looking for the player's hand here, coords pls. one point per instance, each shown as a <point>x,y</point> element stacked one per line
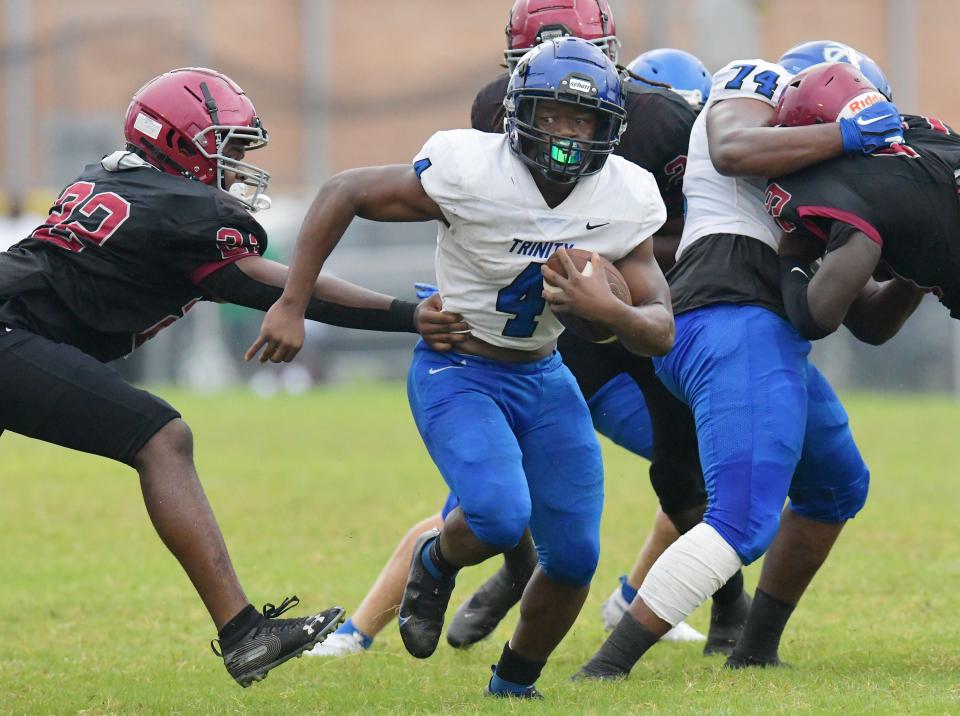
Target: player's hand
<point>424,290</point>
<point>876,127</point>
<point>589,297</point>
<point>440,329</point>
<point>281,335</point>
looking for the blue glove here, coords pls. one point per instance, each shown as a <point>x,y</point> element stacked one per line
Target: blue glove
<point>425,290</point>
<point>876,127</point>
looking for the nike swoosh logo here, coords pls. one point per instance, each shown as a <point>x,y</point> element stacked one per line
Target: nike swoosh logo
<point>799,271</point>
<point>867,122</point>
<point>591,227</point>
<point>434,371</point>
<point>404,620</point>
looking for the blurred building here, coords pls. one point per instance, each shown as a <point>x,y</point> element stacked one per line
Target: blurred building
<point>342,83</point>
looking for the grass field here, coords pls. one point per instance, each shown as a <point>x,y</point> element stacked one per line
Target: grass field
<point>312,493</point>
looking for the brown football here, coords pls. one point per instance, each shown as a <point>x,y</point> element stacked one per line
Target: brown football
<point>594,332</point>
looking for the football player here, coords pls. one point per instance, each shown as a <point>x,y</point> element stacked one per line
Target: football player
<point>609,376</point>
<point>896,210</point>
<point>769,425</point>
<point>656,138</point>
<point>129,246</point>
<point>528,455</point>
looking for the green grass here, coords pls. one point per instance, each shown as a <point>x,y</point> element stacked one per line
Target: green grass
<point>312,494</point>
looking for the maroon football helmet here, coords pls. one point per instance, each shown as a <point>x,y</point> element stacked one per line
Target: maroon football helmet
<point>535,21</point>
<point>825,93</point>
<point>182,121</point>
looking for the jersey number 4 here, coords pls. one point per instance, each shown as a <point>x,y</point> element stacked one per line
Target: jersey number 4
<point>522,298</point>
<point>80,214</point>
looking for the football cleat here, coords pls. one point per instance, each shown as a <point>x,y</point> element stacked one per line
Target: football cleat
<point>683,632</point>
<point>340,645</point>
<point>476,618</point>
<point>613,609</point>
<point>530,692</point>
<point>424,603</point>
<point>742,661</point>
<point>250,656</point>
<point>726,626</point>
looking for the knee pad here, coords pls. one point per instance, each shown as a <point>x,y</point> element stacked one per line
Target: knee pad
<point>500,526</point>
<point>571,562</point>
<point>832,503</point>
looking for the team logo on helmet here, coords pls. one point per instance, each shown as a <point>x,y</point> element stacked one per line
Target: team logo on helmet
<point>842,53</point>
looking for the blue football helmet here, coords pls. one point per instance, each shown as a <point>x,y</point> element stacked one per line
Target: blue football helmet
<point>683,72</point>
<point>572,71</point>
<point>807,54</point>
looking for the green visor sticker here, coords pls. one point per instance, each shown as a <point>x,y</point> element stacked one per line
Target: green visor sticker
<point>565,153</point>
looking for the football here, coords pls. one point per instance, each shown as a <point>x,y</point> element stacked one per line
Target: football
<point>593,332</point>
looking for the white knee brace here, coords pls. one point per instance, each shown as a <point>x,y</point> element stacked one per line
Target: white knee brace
<point>689,571</point>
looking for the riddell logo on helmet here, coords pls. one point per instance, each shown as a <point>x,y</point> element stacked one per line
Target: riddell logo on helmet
<point>860,103</point>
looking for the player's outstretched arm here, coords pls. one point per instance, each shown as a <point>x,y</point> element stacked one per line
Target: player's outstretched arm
<point>646,327</point>
<point>816,307</point>
<point>742,143</point>
<point>387,193</point>
<point>257,283</point>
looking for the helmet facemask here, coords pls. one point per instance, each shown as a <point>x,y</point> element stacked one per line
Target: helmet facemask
<point>609,44</point>
<point>250,183</point>
<point>562,159</point>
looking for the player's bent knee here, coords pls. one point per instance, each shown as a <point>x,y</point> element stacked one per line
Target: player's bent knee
<point>501,527</point>
<point>173,440</point>
<point>572,563</point>
<point>833,503</point>
<point>749,541</point>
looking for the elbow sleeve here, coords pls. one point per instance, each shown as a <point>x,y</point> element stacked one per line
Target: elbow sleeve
<point>794,282</point>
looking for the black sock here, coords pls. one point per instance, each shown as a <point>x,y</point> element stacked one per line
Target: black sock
<point>764,628</point>
<point>437,559</point>
<point>623,648</point>
<point>243,621</point>
<point>518,669</point>
<point>729,592</point>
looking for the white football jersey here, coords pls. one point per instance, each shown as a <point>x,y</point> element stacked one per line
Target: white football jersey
<point>499,230</point>
<point>718,204</point>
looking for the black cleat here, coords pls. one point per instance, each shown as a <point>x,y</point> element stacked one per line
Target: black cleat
<point>424,604</point>
<point>528,693</point>
<point>593,671</point>
<point>477,617</point>
<point>742,661</point>
<point>726,625</point>
<point>272,641</point>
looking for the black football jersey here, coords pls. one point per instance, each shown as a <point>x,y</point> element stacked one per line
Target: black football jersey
<point>656,137</point>
<point>121,256</point>
<point>904,198</point>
